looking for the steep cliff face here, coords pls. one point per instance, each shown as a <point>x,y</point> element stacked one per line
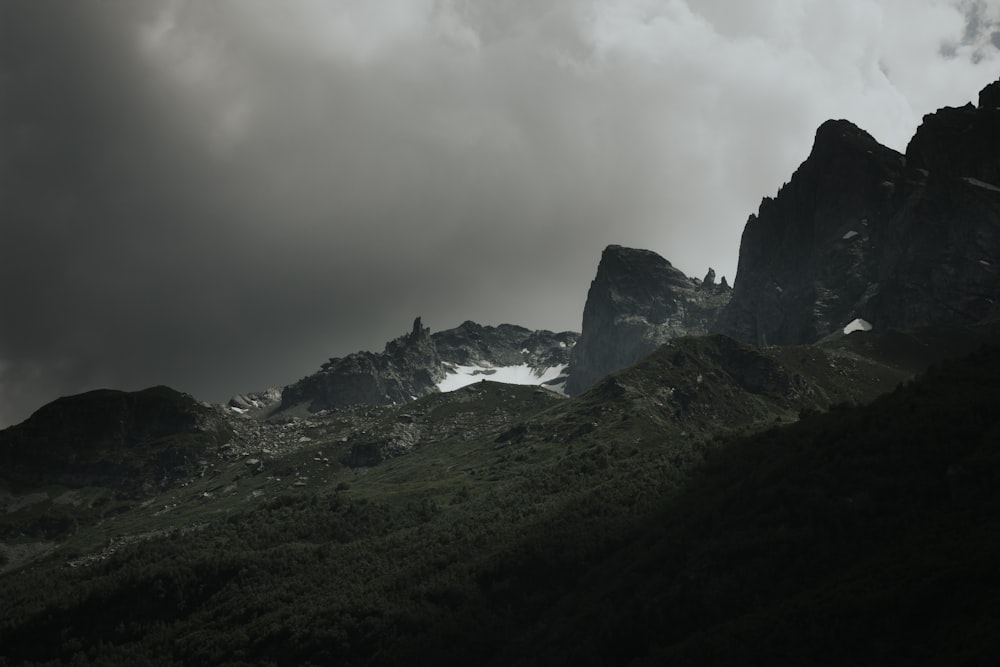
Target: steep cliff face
<point>940,262</point>
<point>409,367</point>
<point>809,256</point>
<point>638,301</point>
<point>861,231</point>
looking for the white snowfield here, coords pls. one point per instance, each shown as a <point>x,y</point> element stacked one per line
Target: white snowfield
<point>461,376</point>
<point>857,325</point>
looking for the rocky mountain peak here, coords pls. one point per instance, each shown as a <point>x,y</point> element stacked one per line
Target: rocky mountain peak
<point>634,273</point>
<point>862,232</point>
<point>408,367</point>
<point>806,258</point>
<point>414,348</point>
<point>989,97</point>
<point>941,254</point>
<point>419,331</point>
<point>840,165</point>
<point>836,135</point>
<point>637,301</point>
<point>415,363</point>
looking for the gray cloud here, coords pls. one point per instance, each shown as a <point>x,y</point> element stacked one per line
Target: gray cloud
<point>218,196</point>
<point>981,35</point>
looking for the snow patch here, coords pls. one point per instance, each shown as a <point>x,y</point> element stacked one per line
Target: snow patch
<point>849,235</point>
<point>980,184</point>
<point>559,388</point>
<point>461,376</point>
<point>857,325</point>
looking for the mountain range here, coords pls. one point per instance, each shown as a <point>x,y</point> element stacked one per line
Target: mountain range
<point>862,232</point>
<point>800,468</point>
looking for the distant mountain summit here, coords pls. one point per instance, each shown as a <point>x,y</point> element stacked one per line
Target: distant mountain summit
<point>420,363</point>
<point>408,367</point>
<point>810,255</point>
<point>860,237</point>
<point>637,302</point>
<point>862,233</point>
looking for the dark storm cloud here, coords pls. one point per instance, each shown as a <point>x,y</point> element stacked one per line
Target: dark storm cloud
<point>218,196</point>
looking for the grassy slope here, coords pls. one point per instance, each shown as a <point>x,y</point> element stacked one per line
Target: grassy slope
<point>865,536</point>
<point>561,534</point>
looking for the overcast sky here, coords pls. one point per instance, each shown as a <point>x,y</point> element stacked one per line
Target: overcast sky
<point>220,195</point>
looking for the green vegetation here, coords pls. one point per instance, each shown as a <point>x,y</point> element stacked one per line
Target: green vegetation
<point>616,528</point>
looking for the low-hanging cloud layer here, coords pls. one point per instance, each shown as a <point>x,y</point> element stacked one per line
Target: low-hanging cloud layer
<point>218,196</point>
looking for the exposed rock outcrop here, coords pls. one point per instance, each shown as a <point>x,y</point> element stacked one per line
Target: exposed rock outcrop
<point>861,231</point>
<point>409,367</point>
<point>638,301</point>
<point>940,262</point>
<point>413,365</point>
